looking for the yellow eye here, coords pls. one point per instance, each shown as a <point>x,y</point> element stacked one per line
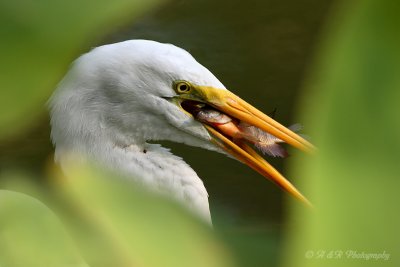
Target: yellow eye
<point>183,87</point>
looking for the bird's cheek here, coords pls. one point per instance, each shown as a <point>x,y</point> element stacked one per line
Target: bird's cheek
<point>186,123</point>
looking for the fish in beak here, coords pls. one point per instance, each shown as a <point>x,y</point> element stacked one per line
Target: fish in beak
<point>235,126</point>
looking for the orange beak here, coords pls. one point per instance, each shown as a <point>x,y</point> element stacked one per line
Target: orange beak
<point>233,106</point>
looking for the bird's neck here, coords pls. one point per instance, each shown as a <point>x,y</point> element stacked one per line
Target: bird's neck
<point>154,167</point>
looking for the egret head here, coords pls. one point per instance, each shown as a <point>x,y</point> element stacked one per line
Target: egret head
<point>137,91</point>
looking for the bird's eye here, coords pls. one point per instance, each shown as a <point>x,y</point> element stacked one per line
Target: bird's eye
<point>182,87</point>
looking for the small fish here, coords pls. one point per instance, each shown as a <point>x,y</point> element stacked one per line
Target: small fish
<point>219,120</point>
<point>263,141</point>
<point>212,116</point>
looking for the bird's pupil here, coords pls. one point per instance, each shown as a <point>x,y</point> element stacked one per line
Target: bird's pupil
<point>183,87</point>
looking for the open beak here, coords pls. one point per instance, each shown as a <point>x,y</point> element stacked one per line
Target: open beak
<point>233,106</point>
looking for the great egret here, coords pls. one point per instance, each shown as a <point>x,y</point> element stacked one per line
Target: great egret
<point>119,96</point>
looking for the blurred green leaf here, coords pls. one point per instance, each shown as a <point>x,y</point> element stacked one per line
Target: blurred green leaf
<point>353,106</point>
<point>140,229</point>
<point>102,220</point>
<point>31,235</point>
<point>39,39</point>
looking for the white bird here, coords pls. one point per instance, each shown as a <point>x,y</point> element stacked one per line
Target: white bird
<point>118,97</point>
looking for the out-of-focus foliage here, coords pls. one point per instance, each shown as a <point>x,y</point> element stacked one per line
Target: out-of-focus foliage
<point>106,222</point>
<point>353,104</point>
<point>38,41</point>
<point>31,235</point>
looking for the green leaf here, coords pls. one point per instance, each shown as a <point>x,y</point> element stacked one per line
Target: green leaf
<point>119,224</point>
<point>39,39</point>
<point>353,107</point>
<point>31,235</point>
